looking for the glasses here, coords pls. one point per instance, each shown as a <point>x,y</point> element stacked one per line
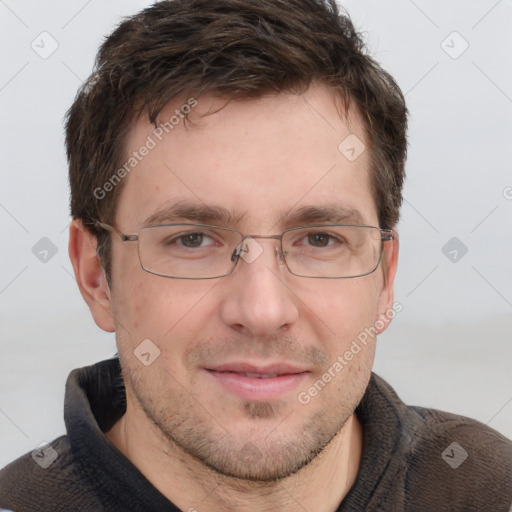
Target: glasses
<point>202,251</point>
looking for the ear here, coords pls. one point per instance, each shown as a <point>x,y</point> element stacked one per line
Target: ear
<point>386,308</point>
<point>89,275</point>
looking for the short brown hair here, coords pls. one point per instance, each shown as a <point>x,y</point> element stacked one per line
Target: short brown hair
<point>238,49</point>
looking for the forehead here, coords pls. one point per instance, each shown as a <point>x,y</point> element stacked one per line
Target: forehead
<point>263,162</point>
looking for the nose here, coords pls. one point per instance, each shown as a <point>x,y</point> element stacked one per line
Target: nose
<point>258,300</point>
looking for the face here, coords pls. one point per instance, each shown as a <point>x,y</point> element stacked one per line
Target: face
<point>240,355</point>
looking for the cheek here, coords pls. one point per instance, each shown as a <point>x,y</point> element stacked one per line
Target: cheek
<point>343,310</point>
<point>163,310</point>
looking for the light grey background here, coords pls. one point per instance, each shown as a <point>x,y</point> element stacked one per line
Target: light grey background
<point>450,348</point>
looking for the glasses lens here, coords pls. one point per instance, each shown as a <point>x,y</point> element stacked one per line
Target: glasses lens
<point>332,251</point>
<point>187,251</point>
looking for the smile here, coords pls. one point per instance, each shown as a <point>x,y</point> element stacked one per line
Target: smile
<point>258,385</point>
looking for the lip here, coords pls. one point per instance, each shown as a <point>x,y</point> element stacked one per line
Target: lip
<point>245,367</point>
<point>273,381</point>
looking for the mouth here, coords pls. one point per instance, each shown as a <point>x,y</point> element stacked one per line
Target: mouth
<point>260,375</point>
<point>261,383</point>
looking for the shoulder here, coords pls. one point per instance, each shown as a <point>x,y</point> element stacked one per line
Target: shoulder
<point>446,461</point>
<point>458,461</point>
<point>33,481</point>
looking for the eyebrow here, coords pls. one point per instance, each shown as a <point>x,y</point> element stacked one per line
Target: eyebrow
<point>335,213</point>
<point>194,212</point>
<point>203,213</point>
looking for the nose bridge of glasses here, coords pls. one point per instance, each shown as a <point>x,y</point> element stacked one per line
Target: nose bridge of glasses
<point>249,249</point>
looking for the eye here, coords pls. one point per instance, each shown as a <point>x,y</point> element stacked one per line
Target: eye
<point>191,240</point>
<point>319,239</point>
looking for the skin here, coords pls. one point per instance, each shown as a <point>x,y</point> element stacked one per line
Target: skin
<point>202,446</point>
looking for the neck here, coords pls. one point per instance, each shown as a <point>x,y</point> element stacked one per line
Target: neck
<point>190,485</point>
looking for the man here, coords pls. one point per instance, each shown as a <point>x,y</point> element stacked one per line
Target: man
<point>236,172</point>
